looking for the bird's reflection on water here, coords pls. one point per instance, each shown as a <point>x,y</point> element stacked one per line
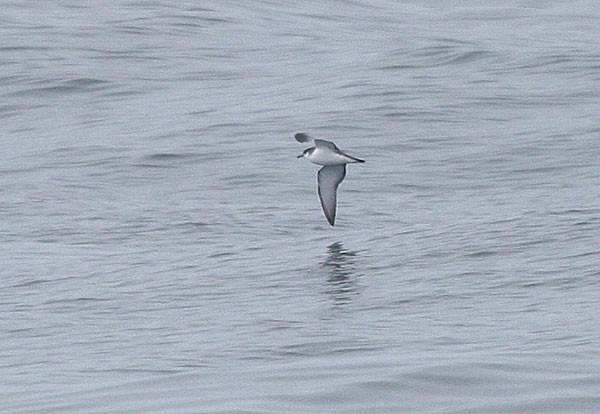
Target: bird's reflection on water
<point>341,281</point>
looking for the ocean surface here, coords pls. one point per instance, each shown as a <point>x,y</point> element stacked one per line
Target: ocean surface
<point>162,249</point>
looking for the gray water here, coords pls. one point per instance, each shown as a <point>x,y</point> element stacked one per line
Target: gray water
<point>163,250</point>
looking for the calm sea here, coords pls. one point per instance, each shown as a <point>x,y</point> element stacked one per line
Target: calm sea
<point>162,249</point>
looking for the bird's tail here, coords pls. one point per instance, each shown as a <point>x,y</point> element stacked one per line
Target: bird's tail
<point>354,158</point>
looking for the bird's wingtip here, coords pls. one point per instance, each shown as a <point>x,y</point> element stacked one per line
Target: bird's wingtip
<point>302,137</point>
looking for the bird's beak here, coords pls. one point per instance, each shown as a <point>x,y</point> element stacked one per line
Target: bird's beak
<point>300,156</point>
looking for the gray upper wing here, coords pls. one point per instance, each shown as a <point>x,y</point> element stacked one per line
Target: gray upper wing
<point>327,144</point>
<point>302,137</point>
<point>328,178</point>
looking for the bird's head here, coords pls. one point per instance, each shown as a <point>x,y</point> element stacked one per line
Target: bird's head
<point>306,153</point>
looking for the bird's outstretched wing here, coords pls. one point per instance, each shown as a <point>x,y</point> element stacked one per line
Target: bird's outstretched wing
<point>302,137</point>
<point>328,178</point>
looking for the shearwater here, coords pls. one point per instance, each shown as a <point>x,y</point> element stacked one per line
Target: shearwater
<point>329,177</point>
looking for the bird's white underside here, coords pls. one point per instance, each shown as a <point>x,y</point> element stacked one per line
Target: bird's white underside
<point>325,156</point>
